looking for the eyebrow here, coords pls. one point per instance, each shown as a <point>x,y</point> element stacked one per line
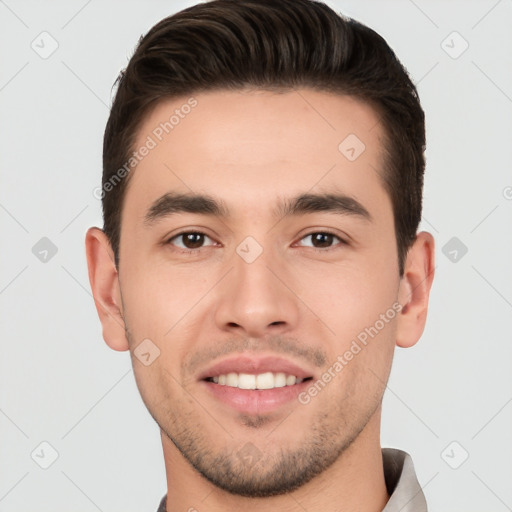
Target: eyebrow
<point>331,203</point>
<point>201,204</point>
<point>184,203</point>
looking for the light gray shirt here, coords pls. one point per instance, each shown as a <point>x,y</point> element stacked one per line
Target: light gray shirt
<point>403,487</point>
<point>405,494</point>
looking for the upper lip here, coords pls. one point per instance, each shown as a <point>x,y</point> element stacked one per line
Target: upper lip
<point>254,365</point>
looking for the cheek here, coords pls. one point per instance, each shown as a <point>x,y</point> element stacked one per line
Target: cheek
<point>159,296</point>
<point>350,298</point>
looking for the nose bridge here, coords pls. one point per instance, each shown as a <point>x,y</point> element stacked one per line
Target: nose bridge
<point>254,300</point>
<point>253,275</point>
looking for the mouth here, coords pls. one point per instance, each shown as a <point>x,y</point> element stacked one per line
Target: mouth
<point>255,385</point>
<point>267,380</point>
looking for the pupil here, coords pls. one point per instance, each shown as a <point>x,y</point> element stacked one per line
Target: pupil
<point>322,239</point>
<point>193,240</point>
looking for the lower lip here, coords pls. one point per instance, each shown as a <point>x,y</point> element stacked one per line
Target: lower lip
<point>255,401</point>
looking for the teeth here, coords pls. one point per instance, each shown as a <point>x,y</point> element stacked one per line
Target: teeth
<point>246,381</point>
<point>280,380</point>
<point>267,380</point>
<point>232,380</point>
<point>290,380</point>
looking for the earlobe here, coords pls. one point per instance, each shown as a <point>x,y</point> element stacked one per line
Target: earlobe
<point>104,281</point>
<point>414,290</point>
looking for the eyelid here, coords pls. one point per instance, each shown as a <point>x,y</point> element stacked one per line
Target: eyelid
<point>326,231</point>
<point>343,240</point>
<point>169,239</point>
<point>200,230</point>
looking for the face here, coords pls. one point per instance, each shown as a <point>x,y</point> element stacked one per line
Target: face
<point>256,252</point>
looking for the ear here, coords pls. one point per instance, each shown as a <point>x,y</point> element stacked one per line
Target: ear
<point>104,281</point>
<point>414,290</point>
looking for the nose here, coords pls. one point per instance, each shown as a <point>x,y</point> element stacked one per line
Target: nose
<point>256,299</point>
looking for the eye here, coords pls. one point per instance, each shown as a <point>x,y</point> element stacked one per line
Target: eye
<point>191,240</point>
<point>320,240</point>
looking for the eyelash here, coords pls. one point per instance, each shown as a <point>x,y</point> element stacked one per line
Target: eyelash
<point>325,232</point>
<point>199,249</point>
<point>185,250</point>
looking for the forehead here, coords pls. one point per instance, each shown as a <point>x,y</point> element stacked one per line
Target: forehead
<point>252,145</point>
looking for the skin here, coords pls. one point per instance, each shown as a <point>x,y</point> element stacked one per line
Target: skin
<point>250,150</point>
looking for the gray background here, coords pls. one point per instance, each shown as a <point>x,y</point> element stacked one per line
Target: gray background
<point>449,397</point>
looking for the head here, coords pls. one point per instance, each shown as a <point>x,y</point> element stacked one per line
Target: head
<point>269,226</point>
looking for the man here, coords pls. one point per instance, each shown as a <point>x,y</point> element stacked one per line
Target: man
<point>263,170</point>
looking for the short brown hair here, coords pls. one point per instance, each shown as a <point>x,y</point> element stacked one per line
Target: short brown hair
<point>270,44</point>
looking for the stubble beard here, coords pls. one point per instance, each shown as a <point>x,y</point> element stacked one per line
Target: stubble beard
<point>263,474</point>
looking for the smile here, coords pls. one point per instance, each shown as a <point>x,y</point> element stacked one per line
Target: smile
<point>255,384</point>
<point>267,380</point>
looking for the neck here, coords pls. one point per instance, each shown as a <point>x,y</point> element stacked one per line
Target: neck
<point>355,482</point>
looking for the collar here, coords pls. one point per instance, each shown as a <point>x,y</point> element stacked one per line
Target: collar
<point>403,487</point>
